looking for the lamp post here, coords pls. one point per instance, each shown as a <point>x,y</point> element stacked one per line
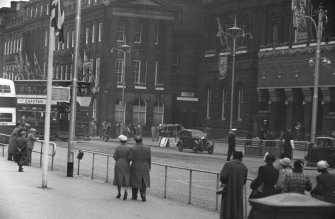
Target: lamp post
<point>234,33</point>
<point>124,49</point>
<point>318,28</point>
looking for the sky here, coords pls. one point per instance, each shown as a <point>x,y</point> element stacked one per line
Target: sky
<point>6,3</point>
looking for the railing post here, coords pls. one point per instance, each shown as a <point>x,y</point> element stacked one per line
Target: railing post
<point>93,165</point>
<point>52,157</point>
<point>107,169</point>
<point>41,154</point>
<point>78,166</point>
<point>165,181</point>
<point>190,188</point>
<point>217,196</point>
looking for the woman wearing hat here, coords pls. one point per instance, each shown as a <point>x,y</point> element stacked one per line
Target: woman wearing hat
<point>20,153</point>
<point>265,183</point>
<point>325,183</point>
<point>122,167</point>
<point>285,170</point>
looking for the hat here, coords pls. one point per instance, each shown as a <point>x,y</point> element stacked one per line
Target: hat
<point>33,130</point>
<point>322,164</point>
<point>285,162</point>
<point>298,164</point>
<point>123,138</point>
<point>270,158</point>
<point>23,132</point>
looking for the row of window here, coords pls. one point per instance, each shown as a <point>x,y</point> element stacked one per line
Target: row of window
<point>139,112</point>
<point>12,46</point>
<point>224,103</point>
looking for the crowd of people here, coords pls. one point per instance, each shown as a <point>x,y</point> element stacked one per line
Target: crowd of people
<point>132,168</point>
<point>271,179</point>
<point>21,144</point>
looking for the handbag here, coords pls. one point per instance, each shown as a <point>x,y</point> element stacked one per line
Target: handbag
<point>222,189</point>
<point>258,192</point>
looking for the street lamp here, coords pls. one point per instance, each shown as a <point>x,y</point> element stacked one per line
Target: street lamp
<point>233,32</point>
<point>318,28</point>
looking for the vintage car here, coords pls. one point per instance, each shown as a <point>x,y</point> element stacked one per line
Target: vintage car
<point>195,140</point>
<point>323,149</point>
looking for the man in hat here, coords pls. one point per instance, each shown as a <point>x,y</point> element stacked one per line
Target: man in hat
<point>140,169</point>
<point>20,153</point>
<point>234,174</point>
<point>231,143</point>
<point>325,183</point>
<point>30,143</point>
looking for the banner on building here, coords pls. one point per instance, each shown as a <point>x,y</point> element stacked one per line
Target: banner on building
<point>222,66</point>
<point>299,22</point>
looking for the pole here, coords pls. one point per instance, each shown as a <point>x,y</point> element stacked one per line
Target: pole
<point>316,79</point>
<point>123,86</point>
<point>232,85</point>
<point>48,107</point>
<point>72,128</point>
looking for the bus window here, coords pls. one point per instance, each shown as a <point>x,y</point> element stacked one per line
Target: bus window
<point>6,117</point>
<point>4,88</point>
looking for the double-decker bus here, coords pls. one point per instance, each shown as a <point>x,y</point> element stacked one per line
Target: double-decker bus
<point>7,106</point>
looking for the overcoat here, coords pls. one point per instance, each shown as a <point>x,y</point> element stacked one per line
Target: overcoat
<point>12,140</point>
<point>268,176</point>
<point>234,174</point>
<point>325,186</point>
<point>20,152</point>
<point>141,156</point>
<point>122,165</point>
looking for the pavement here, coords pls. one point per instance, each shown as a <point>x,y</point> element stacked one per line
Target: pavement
<point>22,197</point>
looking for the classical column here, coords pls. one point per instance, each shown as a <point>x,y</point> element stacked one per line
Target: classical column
<point>289,107</point>
<point>325,107</point>
<point>307,102</point>
<point>274,100</point>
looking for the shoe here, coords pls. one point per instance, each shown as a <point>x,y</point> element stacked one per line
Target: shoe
<point>118,196</point>
<point>20,170</point>
<point>143,198</point>
<point>134,198</point>
<point>125,195</point>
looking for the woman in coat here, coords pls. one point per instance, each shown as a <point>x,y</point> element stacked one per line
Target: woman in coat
<point>122,167</point>
<point>12,140</point>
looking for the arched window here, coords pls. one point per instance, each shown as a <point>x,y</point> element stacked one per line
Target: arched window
<point>224,103</point>
<point>240,103</point>
<point>139,112</point>
<point>120,110</point>
<point>158,113</point>
<point>209,95</point>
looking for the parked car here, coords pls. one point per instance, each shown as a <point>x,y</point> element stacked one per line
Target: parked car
<point>195,140</point>
<point>323,149</point>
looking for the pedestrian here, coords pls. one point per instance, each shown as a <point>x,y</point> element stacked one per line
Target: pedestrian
<point>234,175</point>
<point>30,143</point>
<point>231,144</point>
<point>297,182</point>
<point>20,153</point>
<point>325,183</point>
<point>140,169</point>
<point>288,144</point>
<point>122,167</point>
<point>12,140</point>
<point>153,132</point>
<point>265,183</point>
<point>285,170</point>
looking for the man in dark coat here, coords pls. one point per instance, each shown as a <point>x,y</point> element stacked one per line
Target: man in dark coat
<point>325,183</point>
<point>12,140</point>
<point>20,153</point>
<point>140,168</point>
<point>234,174</point>
<point>231,144</point>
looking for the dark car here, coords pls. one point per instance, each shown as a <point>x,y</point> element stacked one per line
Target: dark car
<point>323,149</point>
<point>195,140</point>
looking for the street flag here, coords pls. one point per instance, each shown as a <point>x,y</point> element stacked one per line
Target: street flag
<point>57,18</point>
<point>221,34</point>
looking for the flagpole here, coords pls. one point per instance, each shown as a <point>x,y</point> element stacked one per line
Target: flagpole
<point>48,106</point>
<point>72,128</point>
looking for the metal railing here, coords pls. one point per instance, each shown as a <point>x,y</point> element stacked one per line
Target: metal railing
<point>38,148</point>
<point>93,167</point>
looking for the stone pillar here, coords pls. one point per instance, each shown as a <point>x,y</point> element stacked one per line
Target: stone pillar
<point>289,107</point>
<point>273,109</point>
<point>307,102</point>
<point>325,107</point>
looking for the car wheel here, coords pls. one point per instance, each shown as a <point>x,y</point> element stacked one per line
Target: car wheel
<point>210,150</point>
<point>195,148</point>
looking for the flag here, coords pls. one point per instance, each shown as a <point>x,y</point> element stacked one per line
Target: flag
<point>57,18</point>
<point>28,68</point>
<point>221,34</point>
<point>37,66</point>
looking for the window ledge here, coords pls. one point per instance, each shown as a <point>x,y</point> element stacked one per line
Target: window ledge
<point>140,87</point>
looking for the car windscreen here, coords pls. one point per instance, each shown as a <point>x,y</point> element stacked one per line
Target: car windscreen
<point>197,134</point>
